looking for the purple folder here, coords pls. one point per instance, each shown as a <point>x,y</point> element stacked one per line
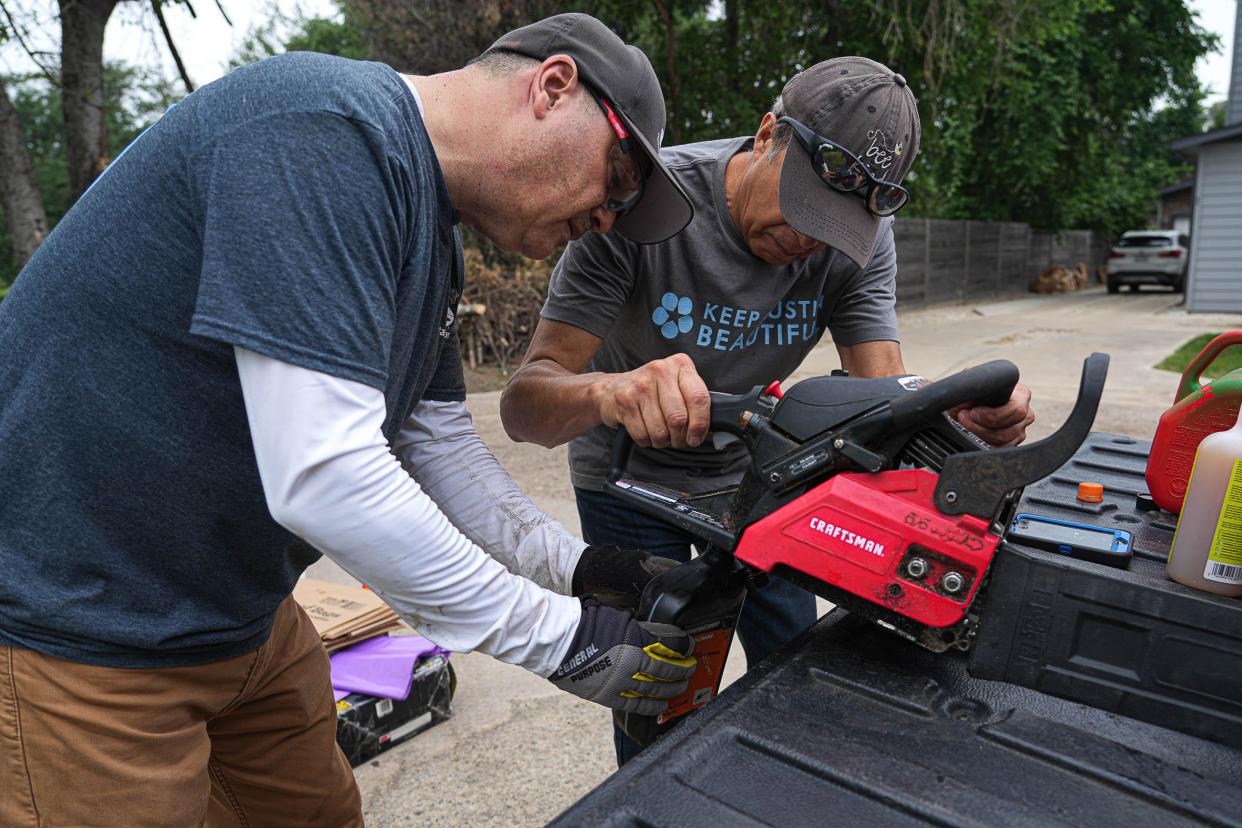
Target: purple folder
<point>382,667</point>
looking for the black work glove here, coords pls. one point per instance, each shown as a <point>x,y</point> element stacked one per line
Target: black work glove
<point>625,664</point>
<point>616,576</point>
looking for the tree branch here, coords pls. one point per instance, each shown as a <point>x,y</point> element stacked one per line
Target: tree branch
<point>157,7</point>
<point>223,13</point>
<point>17,33</point>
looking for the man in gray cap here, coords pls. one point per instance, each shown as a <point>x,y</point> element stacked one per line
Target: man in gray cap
<point>792,237</point>
<point>236,352</point>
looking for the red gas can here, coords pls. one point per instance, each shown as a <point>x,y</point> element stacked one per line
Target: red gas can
<point>1199,409</point>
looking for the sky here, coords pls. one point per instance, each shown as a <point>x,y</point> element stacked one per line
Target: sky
<point>1217,16</point>
<point>207,43</point>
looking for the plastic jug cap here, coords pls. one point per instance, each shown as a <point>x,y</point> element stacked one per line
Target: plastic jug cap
<point>1091,492</point>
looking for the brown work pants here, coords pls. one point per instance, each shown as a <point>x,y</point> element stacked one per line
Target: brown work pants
<point>247,741</point>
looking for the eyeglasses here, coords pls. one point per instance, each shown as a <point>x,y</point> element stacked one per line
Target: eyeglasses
<point>841,170</point>
<point>628,166</point>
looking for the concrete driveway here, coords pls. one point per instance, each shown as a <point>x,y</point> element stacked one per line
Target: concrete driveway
<point>517,752</point>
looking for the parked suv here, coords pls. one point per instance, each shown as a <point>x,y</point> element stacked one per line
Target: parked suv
<point>1149,257</point>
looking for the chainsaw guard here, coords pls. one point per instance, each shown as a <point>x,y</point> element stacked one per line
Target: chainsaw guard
<point>880,538</point>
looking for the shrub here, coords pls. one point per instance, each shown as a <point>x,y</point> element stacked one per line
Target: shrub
<point>511,290</point>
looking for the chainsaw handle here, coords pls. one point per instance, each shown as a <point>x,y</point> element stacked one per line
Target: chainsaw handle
<point>622,447</point>
<point>726,412</point>
<point>990,384</point>
<point>978,482</point>
<point>727,409</point>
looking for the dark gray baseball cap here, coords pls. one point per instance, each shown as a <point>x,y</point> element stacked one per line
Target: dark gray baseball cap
<point>869,110</point>
<point>622,75</point>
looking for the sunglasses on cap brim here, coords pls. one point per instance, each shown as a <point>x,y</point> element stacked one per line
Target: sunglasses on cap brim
<point>842,170</point>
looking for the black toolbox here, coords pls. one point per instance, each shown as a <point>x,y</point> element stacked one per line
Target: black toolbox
<point>1130,641</point>
<point>366,726</point>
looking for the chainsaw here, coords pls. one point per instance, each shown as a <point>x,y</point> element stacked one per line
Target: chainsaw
<point>862,491</point>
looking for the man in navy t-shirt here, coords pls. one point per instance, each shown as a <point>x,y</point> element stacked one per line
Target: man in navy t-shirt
<point>237,352</point>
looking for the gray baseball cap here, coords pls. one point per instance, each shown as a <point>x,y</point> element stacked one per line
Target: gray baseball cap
<point>624,77</point>
<point>867,109</point>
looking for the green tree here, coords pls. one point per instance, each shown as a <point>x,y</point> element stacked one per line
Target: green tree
<point>429,36</point>
<point>82,24</point>
<point>1071,128</point>
<point>333,36</point>
<point>21,201</point>
<point>1055,113</point>
<point>133,100</point>
<point>1216,115</point>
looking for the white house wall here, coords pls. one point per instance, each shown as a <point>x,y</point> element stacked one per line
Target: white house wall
<point>1216,241</point>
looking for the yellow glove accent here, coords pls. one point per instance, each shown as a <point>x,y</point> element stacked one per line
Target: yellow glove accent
<point>630,694</point>
<point>661,653</point>
<point>649,677</point>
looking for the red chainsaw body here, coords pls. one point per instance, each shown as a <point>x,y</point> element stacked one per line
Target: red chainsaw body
<point>858,532</point>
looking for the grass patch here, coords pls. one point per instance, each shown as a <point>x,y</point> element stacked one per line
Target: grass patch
<point>1228,360</point>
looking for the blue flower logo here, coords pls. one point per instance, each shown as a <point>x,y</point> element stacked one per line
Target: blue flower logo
<point>673,315</point>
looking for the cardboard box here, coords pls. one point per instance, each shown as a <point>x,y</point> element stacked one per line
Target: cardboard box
<point>344,615</point>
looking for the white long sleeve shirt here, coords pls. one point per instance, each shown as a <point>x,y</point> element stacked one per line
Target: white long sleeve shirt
<point>416,534</point>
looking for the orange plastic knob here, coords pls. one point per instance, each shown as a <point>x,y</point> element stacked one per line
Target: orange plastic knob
<point>1091,492</point>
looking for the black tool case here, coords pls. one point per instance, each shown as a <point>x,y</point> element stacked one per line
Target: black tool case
<point>851,725</point>
<point>366,726</point>
<point>1130,641</point>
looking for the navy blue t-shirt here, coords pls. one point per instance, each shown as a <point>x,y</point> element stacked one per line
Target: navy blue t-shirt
<point>294,208</point>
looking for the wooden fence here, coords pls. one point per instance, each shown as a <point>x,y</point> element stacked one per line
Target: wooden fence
<point>940,260</point>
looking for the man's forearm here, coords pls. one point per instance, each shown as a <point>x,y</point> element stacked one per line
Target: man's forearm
<point>441,450</point>
<point>329,477</point>
<point>547,404</point>
<point>876,358</point>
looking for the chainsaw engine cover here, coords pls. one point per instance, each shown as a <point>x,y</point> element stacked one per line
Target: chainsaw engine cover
<point>821,403</point>
<point>881,538</point>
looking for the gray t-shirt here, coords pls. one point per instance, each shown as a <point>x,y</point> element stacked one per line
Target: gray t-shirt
<point>743,321</point>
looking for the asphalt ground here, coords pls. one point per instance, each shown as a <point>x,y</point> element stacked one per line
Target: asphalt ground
<point>517,752</point>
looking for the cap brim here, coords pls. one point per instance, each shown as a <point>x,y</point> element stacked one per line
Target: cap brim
<point>664,209</point>
<point>839,220</point>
